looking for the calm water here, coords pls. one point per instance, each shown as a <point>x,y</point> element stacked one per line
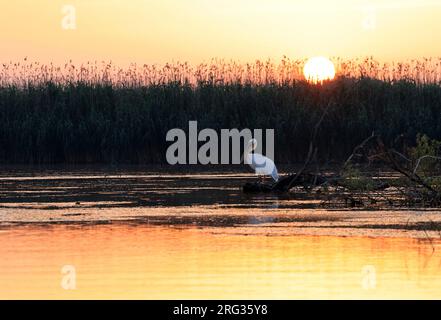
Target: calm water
<point>173,237</point>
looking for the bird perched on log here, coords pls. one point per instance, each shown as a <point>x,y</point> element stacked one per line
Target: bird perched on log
<point>263,166</point>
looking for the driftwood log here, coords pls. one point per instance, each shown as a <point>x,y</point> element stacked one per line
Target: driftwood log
<point>286,183</point>
<point>305,180</point>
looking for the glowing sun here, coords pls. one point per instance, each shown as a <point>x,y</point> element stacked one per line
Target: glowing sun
<point>319,69</point>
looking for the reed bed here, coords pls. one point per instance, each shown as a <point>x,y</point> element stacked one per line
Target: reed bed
<point>99,113</point>
<point>217,71</point>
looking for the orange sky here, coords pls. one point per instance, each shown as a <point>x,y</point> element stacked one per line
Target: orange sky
<point>157,31</point>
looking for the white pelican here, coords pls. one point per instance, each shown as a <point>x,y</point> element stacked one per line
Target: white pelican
<point>262,165</point>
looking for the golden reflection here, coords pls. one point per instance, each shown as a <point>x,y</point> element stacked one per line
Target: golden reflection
<point>144,262</point>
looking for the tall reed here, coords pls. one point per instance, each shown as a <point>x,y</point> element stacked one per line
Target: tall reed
<point>99,113</point>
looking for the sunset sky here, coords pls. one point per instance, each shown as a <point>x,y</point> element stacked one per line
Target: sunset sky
<point>147,31</point>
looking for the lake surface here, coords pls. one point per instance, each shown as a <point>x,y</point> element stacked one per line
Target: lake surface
<point>151,235</point>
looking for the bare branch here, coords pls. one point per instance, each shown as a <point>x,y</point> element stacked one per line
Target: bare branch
<point>356,149</point>
<point>421,159</point>
<point>312,150</point>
